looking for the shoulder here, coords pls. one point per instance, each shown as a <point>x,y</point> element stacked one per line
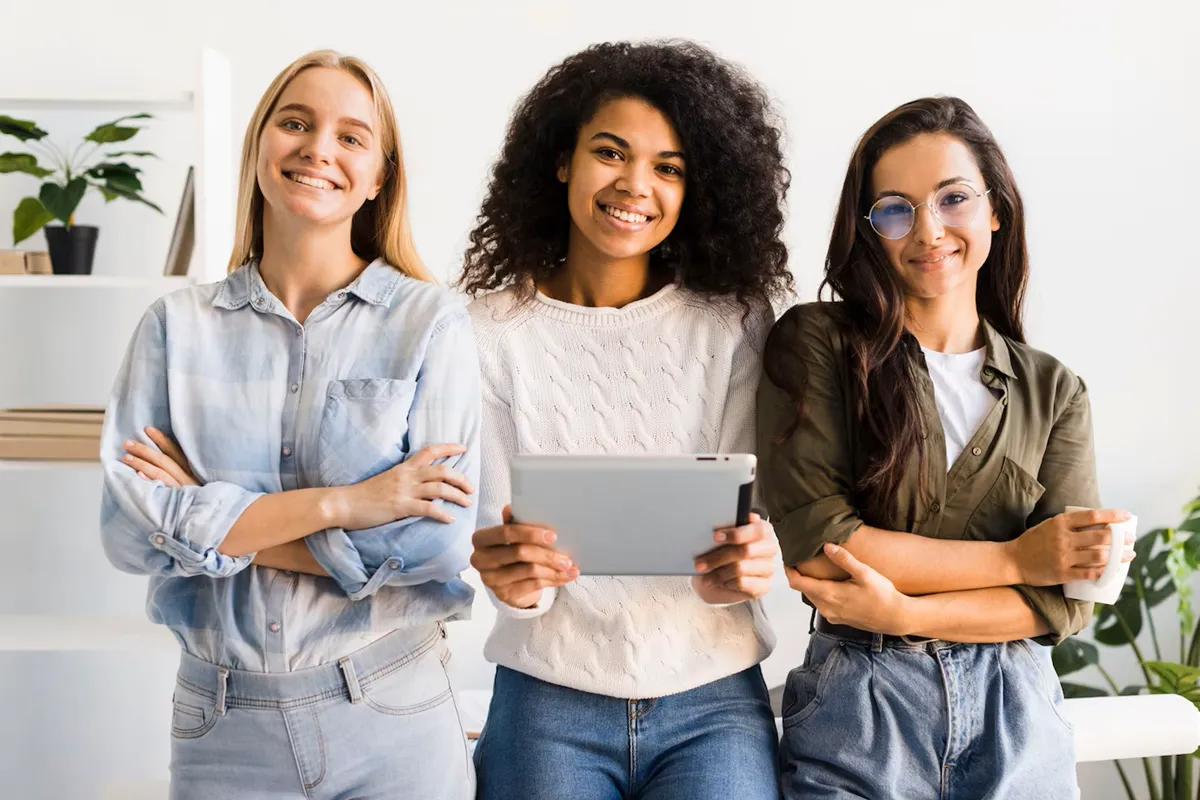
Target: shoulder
<point>1044,376</point>
<point>747,324</point>
<point>808,332</point>
<point>418,303</point>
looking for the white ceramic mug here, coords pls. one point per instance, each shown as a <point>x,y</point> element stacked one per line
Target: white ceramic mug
<point>1107,588</point>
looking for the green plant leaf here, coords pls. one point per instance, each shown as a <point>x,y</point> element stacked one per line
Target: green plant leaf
<point>1132,691</point>
<point>111,132</point>
<point>23,162</point>
<point>61,201</point>
<point>1073,655</point>
<point>29,218</point>
<point>1191,526</point>
<point>118,191</point>
<point>1108,628</point>
<point>1080,690</point>
<point>118,174</point>
<point>131,154</point>
<point>23,129</point>
<point>1176,679</point>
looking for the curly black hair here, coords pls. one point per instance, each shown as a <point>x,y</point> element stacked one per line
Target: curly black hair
<point>727,240</point>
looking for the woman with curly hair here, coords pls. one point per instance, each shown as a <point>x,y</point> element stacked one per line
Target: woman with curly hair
<point>632,230</point>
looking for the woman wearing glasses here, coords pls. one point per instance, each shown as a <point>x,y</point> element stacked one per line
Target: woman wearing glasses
<point>916,456</point>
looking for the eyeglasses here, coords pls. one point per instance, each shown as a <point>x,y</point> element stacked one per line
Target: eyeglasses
<point>955,206</point>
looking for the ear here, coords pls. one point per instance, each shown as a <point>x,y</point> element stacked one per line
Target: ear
<point>564,173</point>
<point>995,222</point>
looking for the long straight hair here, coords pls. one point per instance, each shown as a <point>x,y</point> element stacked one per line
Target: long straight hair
<point>380,229</point>
<point>872,309</point>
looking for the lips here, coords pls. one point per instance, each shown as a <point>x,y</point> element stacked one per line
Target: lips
<point>933,259</point>
<point>315,181</point>
<point>626,214</point>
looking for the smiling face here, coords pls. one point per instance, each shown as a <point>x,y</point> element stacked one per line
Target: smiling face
<point>625,181</point>
<point>934,260</point>
<point>319,154</point>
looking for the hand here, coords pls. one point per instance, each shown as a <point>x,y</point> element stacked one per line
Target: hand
<point>867,600</point>
<point>167,464</point>
<point>1067,547</point>
<point>740,569</point>
<point>408,489</point>
<point>516,561</point>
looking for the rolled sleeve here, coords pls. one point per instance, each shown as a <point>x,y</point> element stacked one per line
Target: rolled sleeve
<point>1068,473</point>
<point>415,550</point>
<point>147,528</point>
<point>805,470</point>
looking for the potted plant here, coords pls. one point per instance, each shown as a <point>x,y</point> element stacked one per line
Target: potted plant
<point>1167,560</point>
<point>64,183</point>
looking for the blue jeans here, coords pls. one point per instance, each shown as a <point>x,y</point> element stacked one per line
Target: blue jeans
<point>380,723</point>
<point>940,721</point>
<point>548,742</point>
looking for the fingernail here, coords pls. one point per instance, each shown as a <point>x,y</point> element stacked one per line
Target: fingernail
<point>833,548</point>
<point>564,562</point>
<point>127,458</point>
<point>548,537</point>
<point>720,536</point>
<point>701,566</point>
<point>129,442</point>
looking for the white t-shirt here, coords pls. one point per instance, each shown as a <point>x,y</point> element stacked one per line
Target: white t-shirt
<point>961,396</point>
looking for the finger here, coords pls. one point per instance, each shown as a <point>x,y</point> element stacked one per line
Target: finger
<point>487,558</point>
<point>813,588</point>
<point>150,472</point>
<point>505,577</point>
<point>1091,539</point>
<point>749,586</point>
<point>513,534</point>
<point>844,559</point>
<point>506,514</point>
<point>167,445</point>
<point>741,569</point>
<point>440,472</point>
<point>432,452</point>
<point>1099,516</point>
<point>151,455</point>
<point>430,509</point>
<point>442,491</point>
<point>526,588</point>
<point>743,534</point>
<point>731,553</point>
<point>1085,573</point>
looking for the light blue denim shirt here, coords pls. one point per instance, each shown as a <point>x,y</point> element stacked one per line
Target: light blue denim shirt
<point>261,404</point>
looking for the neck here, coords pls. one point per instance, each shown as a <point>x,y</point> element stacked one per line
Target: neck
<point>303,264</point>
<point>590,278</point>
<point>947,324</point>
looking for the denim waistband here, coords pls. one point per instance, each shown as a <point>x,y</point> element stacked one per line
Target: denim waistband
<point>341,678</point>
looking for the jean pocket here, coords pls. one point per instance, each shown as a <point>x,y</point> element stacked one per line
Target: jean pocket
<point>1045,679</point>
<point>806,685</point>
<point>410,687</point>
<point>193,711</point>
<point>364,428</point>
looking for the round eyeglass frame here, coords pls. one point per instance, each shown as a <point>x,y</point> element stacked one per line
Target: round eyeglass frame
<point>932,209</point>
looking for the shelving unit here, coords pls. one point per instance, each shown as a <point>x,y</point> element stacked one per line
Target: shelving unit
<point>76,647</point>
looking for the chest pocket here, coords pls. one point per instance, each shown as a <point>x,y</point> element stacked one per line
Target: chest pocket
<point>364,428</point>
<point>1002,514</point>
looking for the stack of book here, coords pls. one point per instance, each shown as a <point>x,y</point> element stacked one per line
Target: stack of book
<point>22,262</point>
<point>51,433</point>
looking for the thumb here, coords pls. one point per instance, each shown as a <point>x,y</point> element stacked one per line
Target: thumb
<point>506,515</point>
<point>844,559</point>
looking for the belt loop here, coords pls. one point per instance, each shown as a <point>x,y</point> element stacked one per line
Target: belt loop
<point>351,680</point>
<point>876,642</point>
<point>222,688</point>
<point>812,622</point>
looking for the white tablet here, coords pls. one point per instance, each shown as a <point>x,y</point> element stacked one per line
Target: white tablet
<point>633,515</point>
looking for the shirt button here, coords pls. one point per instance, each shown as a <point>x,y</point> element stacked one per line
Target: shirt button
<point>160,540</point>
<point>341,295</point>
<point>393,564</point>
<point>1004,401</point>
<point>299,331</point>
<point>295,388</point>
<point>936,507</point>
<point>287,451</point>
<point>976,451</point>
<point>274,626</point>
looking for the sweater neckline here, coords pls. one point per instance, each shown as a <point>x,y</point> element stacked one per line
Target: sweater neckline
<point>664,299</point>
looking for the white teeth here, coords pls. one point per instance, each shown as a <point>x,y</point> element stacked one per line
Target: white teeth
<point>316,183</point>
<point>624,215</point>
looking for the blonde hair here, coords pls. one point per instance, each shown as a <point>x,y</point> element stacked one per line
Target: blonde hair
<point>380,228</point>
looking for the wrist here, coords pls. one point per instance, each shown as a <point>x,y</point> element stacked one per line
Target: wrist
<point>911,616</point>
<point>1010,563</point>
<point>331,506</point>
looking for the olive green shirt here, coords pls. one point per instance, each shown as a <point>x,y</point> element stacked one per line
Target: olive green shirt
<point>1030,458</point>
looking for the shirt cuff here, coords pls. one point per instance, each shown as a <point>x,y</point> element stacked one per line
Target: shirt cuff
<point>803,532</point>
<point>1066,617</point>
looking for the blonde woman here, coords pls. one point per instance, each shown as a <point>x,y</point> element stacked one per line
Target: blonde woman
<point>301,497</point>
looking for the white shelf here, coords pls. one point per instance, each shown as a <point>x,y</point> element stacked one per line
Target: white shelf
<point>182,101</point>
<point>32,465</point>
<point>165,283</point>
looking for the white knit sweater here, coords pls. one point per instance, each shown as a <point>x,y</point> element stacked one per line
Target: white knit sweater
<point>672,373</point>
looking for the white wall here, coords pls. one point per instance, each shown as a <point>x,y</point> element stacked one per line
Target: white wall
<point>1094,103</point>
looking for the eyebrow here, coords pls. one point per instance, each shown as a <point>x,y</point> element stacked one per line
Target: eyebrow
<point>617,140</point>
<point>941,185</point>
<point>303,109</point>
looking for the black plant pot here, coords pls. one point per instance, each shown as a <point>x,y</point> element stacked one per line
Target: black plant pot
<point>72,249</point>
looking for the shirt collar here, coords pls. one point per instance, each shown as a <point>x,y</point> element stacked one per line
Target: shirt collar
<point>375,285</point>
<point>998,356</point>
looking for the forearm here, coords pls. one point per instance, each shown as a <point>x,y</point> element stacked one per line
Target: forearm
<point>919,565</point>
<point>293,556</point>
<point>280,518</point>
<point>978,616</point>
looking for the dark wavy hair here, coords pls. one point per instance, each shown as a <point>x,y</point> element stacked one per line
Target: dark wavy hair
<point>727,240</point>
<point>871,314</point>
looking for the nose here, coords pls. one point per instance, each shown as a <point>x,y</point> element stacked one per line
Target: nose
<point>634,179</point>
<point>927,228</point>
<point>318,147</point>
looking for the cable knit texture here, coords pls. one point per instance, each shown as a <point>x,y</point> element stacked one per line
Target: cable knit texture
<point>672,373</point>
